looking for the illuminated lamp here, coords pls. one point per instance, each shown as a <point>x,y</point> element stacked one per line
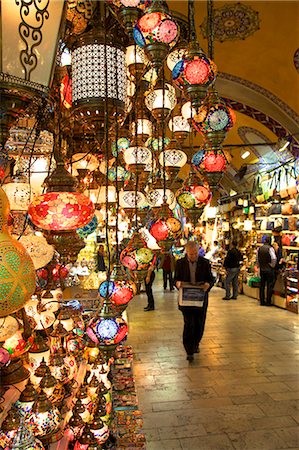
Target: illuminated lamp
<point>137,257</point>
<point>110,331</point>
<point>100,430</point>
<point>193,196</point>
<point>172,158</point>
<point>214,119</point>
<point>61,211</point>
<point>64,318</point>
<point>142,128</point>
<point>247,225</point>
<point>9,427</point>
<point>18,192</point>
<point>175,56</point>
<point>17,345</point>
<point>137,157</point>
<point>57,337</point>
<point>156,33</point>
<point>38,249</point>
<point>180,128</point>
<point>188,112</point>
<point>131,199</point>
<point>17,281</point>
<point>120,173</point>
<point>97,96</point>
<point>75,426</point>
<point>38,352</point>
<point>58,368</point>
<point>165,228</point>
<point>83,396</point>
<point>48,383</point>
<point>85,161</point>
<point>156,144</point>
<point>129,12</point>
<point>24,439</point>
<point>197,160</point>
<point>45,419</point>
<point>26,399</point>
<point>120,145</point>
<point>214,165</point>
<point>8,327</point>
<point>89,228</point>
<point>101,195</point>
<point>135,60</point>
<point>13,373</point>
<point>86,440</point>
<point>80,410</point>
<point>119,291</point>
<point>155,197</point>
<point>36,377</point>
<point>161,100</point>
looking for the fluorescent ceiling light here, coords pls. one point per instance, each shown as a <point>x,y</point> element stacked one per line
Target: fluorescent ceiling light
<point>245,154</point>
<point>283,144</point>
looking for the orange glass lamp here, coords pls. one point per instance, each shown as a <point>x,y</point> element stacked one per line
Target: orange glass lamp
<point>17,280</point>
<point>137,257</point>
<point>165,228</point>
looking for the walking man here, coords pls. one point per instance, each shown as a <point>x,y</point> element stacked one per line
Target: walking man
<point>266,260</point>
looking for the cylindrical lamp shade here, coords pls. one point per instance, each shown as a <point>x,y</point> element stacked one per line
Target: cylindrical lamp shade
<point>91,60</point>
<point>172,158</point>
<point>137,155</point>
<point>178,124</point>
<point>132,199</point>
<point>61,211</point>
<point>19,195</point>
<point>142,127</point>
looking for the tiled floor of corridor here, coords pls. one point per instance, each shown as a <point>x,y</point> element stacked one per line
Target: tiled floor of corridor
<point>242,390</point>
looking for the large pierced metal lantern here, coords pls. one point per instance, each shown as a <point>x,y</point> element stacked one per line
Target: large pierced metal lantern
<point>29,36</point>
<point>17,274</point>
<point>99,78</point>
<point>156,32</point>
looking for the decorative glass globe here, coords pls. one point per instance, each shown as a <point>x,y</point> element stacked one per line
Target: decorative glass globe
<point>136,256</point>
<point>197,160</point>
<point>196,196</point>
<point>132,199</point>
<point>214,162</point>
<point>174,57</point>
<point>85,161</point>
<point>110,331</point>
<point>61,211</point>
<point>156,144</point>
<point>172,158</point>
<point>16,345</point>
<point>194,73</point>
<point>8,327</point>
<point>180,127</point>
<point>142,128</point>
<point>135,60</point>
<point>118,291</point>
<point>38,249</point>
<point>165,228</point>
<point>137,155</point>
<point>19,193</point>
<point>89,228</point>
<point>188,112</point>
<point>155,197</point>
<point>120,145</point>
<point>156,32</point>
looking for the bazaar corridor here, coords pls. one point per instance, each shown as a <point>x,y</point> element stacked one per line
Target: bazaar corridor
<point>242,390</point>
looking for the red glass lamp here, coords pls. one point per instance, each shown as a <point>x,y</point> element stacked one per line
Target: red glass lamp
<point>137,257</point>
<point>166,228</point>
<point>156,32</point>
<point>214,165</point>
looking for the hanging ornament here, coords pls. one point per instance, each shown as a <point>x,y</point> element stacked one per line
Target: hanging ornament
<point>17,280</point>
<point>165,228</point>
<point>137,257</point>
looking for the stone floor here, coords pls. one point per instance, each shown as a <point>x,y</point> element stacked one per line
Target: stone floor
<point>242,390</point>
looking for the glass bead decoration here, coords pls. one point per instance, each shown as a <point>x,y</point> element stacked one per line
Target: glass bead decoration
<point>194,70</point>
<point>156,27</point>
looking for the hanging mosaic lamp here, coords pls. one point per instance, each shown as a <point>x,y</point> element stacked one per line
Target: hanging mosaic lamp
<point>19,193</point>
<point>156,32</point>
<point>137,257</point>
<point>197,159</point>
<point>165,228</point>
<point>45,419</point>
<point>129,12</point>
<point>135,60</point>
<point>195,72</point>
<point>119,290</point>
<point>214,119</point>
<point>17,280</point>
<point>214,164</point>
<point>89,228</point>
<point>180,128</point>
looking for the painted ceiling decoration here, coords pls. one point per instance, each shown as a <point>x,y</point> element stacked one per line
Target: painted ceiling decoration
<point>233,21</point>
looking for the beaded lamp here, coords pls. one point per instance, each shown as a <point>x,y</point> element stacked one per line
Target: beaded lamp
<point>17,281</point>
<point>156,32</point>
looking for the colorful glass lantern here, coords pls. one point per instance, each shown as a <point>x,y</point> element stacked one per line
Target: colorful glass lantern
<point>9,427</point>
<point>100,430</point>
<point>193,195</point>
<point>45,419</point>
<point>175,56</point>
<point>17,280</point>
<point>89,228</point>
<point>24,439</point>
<point>214,162</point>
<point>119,173</point>
<point>16,345</point>
<point>120,145</point>
<point>142,128</point>
<point>156,144</point>
<point>166,228</point>
<point>26,399</point>
<point>119,291</point>
<point>137,257</point>
<point>161,100</point>
<point>197,160</point>
<point>61,211</point>
<point>214,118</point>
<point>110,331</point>
<point>156,32</point>
<point>19,193</point>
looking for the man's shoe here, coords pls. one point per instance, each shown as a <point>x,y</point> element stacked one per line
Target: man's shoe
<point>234,298</point>
<point>197,349</point>
<point>149,308</point>
<point>226,298</point>
<point>190,358</point>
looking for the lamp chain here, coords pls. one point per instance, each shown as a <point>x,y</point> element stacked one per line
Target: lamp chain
<point>191,20</point>
<point>211,29</point>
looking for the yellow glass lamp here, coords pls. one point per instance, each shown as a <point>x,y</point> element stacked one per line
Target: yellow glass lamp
<point>17,274</point>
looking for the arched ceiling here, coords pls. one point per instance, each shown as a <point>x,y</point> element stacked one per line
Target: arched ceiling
<point>258,71</point>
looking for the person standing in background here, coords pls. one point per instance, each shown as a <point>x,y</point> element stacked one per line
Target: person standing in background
<point>193,269</point>
<point>167,263</point>
<point>149,279</point>
<point>232,263</point>
<point>100,259</point>
<point>266,259</point>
